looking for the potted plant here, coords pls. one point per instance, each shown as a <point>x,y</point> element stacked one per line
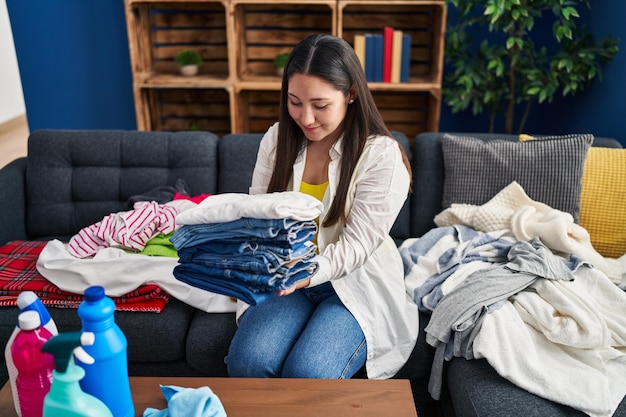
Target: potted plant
<point>188,61</point>
<point>280,61</point>
<point>508,67</point>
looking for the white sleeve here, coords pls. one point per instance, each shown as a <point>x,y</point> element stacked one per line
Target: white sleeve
<point>379,187</point>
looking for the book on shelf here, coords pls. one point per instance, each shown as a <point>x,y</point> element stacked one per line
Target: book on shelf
<point>396,56</point>
<point>370,57</point>
<point>359,48</point>
<point>378,58</point>
<point>406,58</point>
<point>387,51</point>
<point>386,56</point>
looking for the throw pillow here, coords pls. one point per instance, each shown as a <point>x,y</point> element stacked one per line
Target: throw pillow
<point>603,200</point>
<point>549,170</point>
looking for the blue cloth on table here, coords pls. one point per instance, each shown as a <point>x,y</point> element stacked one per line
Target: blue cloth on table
<point>188,402</point>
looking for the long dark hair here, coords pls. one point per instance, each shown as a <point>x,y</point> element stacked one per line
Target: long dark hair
<point>333,60</point>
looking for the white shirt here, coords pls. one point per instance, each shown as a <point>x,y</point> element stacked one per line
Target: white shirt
<point>361,259</point>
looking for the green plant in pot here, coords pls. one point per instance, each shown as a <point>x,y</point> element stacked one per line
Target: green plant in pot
<point>280,61</point>
<point>188,61</point>
<point>507,69</point>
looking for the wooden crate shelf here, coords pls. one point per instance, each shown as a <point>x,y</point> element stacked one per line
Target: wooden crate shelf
<point>176,109</point>
<point>162,29</point>
<point>237,89</point>
<point>409,112</point>
<point>262,31</point>
<point>423,20</point>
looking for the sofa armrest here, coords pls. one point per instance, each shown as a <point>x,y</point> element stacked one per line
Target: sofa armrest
<point>13,197</point>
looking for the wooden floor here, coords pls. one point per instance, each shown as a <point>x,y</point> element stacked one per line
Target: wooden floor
<point>13,139</point>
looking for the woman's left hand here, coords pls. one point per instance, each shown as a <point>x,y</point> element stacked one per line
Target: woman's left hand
<point>297,286</point>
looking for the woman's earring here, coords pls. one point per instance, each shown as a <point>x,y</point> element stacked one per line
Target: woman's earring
<point>351,101</point>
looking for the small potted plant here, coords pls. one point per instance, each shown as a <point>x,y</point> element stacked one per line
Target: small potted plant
<point>188,61</point>
<point>280,61</point>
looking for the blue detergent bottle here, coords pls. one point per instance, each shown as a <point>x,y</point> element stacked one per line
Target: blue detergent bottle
<point>65,398</point>
<point>106,378</point>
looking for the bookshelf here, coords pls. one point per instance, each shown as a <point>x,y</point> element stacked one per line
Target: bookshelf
<point>237,89</point>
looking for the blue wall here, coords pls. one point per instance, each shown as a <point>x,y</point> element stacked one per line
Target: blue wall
<point>95,91</point>
<point>74,63</point>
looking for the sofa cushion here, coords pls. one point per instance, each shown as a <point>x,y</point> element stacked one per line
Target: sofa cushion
<point>429,174</point>
<point>75,178</point>
<point>208,342</point>
<point>237,157</point>
<point>603,200</point>
<point>476,389</point>
<point>549,169</point>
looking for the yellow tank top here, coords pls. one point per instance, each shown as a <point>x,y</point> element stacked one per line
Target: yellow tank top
<point>317,191</point>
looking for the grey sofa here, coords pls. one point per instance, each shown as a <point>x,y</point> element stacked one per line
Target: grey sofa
<point>71,179</point>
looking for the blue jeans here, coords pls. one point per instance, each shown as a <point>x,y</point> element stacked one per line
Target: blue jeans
<point>307,334</point>
<point>265,262</point>
<point>252,288</point>
<point>277,231</point>
<point>281,253</point>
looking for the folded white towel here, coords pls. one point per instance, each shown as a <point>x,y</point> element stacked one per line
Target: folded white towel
<point>227,207</point>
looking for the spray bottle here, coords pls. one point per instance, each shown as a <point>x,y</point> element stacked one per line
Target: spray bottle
<point>26,300</point>
<point>65,398</point>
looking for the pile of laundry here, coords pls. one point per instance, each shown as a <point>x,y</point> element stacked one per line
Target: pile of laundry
<point>247,246</point>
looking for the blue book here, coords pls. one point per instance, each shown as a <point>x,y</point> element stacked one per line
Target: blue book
<point>406,58</point>
<point>369,57</point>
<point>378,58</point>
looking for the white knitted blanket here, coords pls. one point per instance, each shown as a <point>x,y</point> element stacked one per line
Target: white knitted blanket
<point>512,209</point>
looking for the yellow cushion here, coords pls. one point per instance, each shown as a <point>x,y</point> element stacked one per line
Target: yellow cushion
<point>603,200</point>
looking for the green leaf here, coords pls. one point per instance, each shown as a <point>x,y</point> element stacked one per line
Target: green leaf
<point>569,11</point>
<point>533,91</point>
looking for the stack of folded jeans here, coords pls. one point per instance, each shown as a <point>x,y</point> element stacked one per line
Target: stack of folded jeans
<point>247,258</point>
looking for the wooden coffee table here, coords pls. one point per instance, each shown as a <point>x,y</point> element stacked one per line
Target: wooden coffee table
<point>278,397</point>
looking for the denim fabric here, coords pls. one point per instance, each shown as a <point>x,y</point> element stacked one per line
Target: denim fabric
<point>263,261</point>
<point>249,287</point>
<point>263,265</point>
<point>245,258</point>
<point>307,334</point>
<point>251,247</point>
<point>264,230</point>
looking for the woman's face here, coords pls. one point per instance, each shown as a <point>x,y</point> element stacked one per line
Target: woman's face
<point>316,106</point>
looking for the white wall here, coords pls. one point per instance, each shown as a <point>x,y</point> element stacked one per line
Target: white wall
<point>11,96</point>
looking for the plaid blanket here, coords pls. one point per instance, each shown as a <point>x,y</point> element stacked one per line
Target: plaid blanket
<point>18,272</point>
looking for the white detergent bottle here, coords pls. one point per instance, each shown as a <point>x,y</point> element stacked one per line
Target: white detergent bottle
<point>27,300</point>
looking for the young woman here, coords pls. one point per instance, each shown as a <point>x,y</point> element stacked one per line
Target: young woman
<point>331,142</point>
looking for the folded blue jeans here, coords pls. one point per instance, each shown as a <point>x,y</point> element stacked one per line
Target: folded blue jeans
<point>264,263</point>
<point>271,230</point>
<point>248,287</point>
<point>275,251</point>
